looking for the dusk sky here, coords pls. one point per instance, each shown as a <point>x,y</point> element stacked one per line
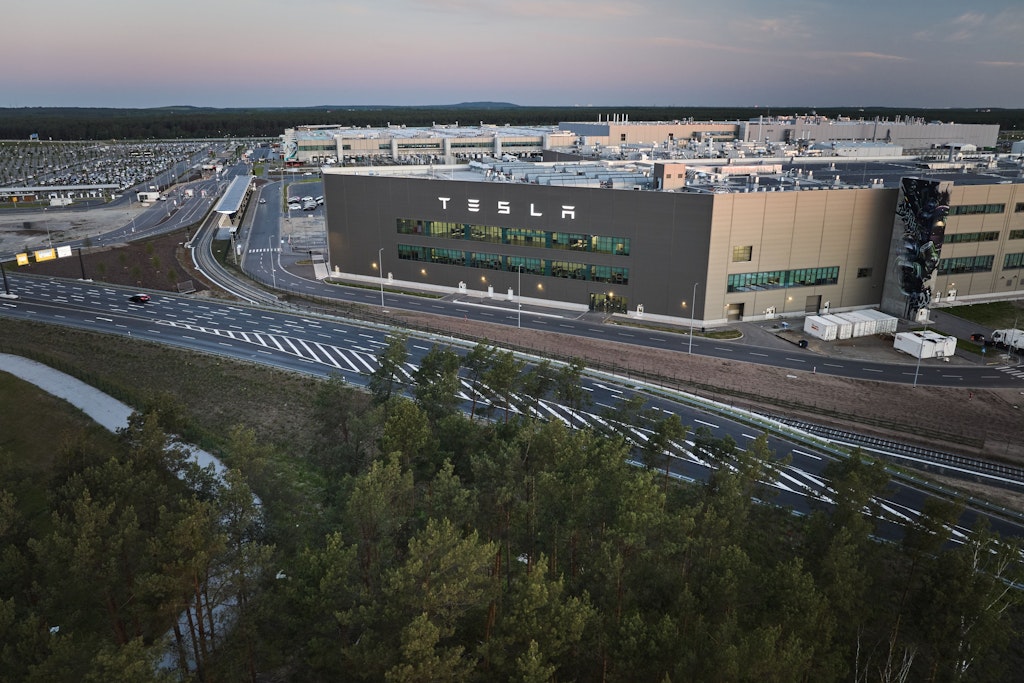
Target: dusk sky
<point>794,53</point>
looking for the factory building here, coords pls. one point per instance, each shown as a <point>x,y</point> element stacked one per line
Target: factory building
<point>685,240</point>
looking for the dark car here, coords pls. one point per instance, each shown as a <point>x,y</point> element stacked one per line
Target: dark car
<point>977,337</point>
<point>139,298</point>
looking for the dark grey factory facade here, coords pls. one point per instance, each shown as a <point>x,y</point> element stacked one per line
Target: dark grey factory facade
<point>609,250</point>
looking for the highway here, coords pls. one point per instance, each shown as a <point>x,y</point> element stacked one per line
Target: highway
<point>295,341</point>
<point>327,346</point>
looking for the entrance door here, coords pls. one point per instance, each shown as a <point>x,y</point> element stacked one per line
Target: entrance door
<point>607,303</point>
<point>734,312</point>
<point>812,305</point>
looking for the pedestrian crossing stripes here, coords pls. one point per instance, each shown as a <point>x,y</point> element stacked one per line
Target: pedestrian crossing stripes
<point>1012,370</point>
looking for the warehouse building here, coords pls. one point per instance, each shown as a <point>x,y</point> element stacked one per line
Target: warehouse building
<point>686,241</point>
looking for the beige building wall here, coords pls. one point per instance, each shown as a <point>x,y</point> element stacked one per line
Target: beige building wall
<point>999,280</point>
<point>802,229</point>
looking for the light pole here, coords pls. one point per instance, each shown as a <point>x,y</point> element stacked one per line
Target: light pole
<point>273,275</point>
<point>519,294</point>
<point>693,312</point>
<point>380,267</point>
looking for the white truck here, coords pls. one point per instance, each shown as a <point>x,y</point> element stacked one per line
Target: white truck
<point>1012,340</point>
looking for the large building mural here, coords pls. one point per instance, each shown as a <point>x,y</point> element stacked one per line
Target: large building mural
<point>918,233</point>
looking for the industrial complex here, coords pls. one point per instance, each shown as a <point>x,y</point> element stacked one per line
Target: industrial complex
<point>688,221</point>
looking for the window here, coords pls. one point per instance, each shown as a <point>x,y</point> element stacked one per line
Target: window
<point>961,237</point>
<point>569,240</point>
<point>780,279</point>
<point>610,245</point>
<point>1017,234</point>
<point>490,261</point>
<point>1019,207</point>
<point>1013,261</point>
<point>864,272</point>
<point>974,209</point>
<point>568,269</point>
<point>966,264</point>
<point>740,254</point>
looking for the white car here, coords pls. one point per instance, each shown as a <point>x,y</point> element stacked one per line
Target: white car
<point>263,201</point>
<point>295,207</point>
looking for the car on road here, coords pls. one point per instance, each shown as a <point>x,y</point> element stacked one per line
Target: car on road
<point>139,298</point>
<point>263,201</point>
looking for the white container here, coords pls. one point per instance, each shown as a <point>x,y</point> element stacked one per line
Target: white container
<point>862,325</point>
<point>844,327</point>
<point>816,326</point>
<point>884,323</point>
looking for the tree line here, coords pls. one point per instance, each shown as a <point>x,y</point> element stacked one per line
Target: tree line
<point>74,123</point>
<point>417,536</point>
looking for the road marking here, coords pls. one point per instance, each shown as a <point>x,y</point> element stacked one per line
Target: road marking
<point>108,320</point>
<point>806,455</point>
<point>871,370</point>
<point>748,436</point>
<point>796,360</point>
<point>722,348</point>
<point>707,424</point>
<point>832,365</point>
<point>754,353</point>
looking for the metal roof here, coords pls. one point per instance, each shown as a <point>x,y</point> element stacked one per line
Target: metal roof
<point>231,202</point>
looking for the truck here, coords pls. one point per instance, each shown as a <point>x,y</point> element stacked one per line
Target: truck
<point>926,344</point>
<point>1013,340</point>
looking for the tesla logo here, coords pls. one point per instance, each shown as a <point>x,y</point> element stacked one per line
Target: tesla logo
<point>504,208</point>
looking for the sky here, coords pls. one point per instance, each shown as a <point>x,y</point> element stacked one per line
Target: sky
<point>735,53</point>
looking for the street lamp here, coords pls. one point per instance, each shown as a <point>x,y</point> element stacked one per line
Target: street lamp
<point>273,275</point>
<point>380,266</point>
<point>693,312</point>
<point>519,294</point>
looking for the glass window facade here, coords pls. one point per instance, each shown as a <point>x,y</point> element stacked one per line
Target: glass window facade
<point>783,279</point>
<point>966,264</point>
<point>571,270</point>
<point>521,237</point>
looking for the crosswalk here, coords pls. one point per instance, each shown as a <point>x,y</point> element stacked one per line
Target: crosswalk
<point>1013,370</point>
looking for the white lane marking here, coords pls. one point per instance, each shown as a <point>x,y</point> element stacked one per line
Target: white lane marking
<point>707,424</point>
<point>807,455</point>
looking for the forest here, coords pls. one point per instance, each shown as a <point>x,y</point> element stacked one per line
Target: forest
<point>168,123</point>
<point>401,536</point>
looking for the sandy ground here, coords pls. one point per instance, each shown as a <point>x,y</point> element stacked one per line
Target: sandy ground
<point>36,229</point>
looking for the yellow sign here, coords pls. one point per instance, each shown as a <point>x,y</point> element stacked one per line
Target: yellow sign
<point>45,255</point>
<point>22,259</point>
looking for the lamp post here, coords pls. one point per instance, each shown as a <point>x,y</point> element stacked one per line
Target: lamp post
<point>273,275</point>
<point>693,312</point>
<point>519,294</point>
<point>380,267</point>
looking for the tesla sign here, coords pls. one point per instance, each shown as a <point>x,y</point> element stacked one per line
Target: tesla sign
<point>505,208</point>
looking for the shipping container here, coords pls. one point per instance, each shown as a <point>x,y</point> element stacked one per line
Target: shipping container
<point>862,325</point>
<point>844,327</point>
<point>816,326</point>
<point>884,323</point>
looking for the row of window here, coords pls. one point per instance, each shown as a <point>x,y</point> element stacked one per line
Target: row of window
<point>1017,234</point>
<point>531,266</point>
<point>522,237</point>
<point>978,264</point>
<point>782,279</point>
<point>960,237</point>
<point>965,264</point>
<point>975,209</point>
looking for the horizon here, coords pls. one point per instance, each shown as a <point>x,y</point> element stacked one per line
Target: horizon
<point>557,53</point>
